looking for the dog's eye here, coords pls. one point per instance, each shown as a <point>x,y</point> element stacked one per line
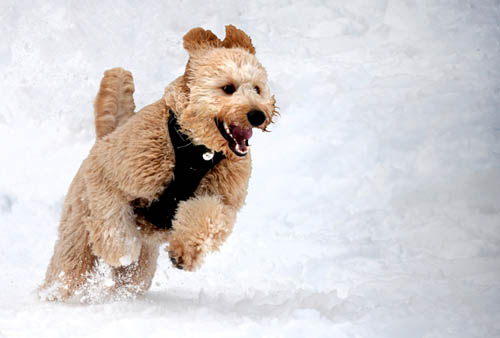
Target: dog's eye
<point>257,89</point>
<point>229,89</point>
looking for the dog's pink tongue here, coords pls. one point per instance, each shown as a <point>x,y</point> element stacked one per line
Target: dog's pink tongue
<point>241,136</point>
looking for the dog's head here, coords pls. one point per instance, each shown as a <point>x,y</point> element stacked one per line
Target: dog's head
<point>224,91</point>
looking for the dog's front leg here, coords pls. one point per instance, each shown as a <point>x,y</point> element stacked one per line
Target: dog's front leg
<point>201,225</point>
<point>112,231</point>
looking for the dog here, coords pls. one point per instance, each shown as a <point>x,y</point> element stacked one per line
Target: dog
<point>175,172</point>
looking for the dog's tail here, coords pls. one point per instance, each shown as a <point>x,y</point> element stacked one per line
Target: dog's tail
<point>114,103</point>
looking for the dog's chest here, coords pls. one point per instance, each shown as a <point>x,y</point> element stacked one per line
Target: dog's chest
<point>192,163</point>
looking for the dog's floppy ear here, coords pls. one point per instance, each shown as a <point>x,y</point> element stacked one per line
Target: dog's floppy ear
<point>198,39</point>
<point>237,38</point>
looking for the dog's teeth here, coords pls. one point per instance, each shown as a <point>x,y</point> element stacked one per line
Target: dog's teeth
<point>238,149</point>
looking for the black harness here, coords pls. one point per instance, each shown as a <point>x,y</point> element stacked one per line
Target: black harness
<point>192,162</point>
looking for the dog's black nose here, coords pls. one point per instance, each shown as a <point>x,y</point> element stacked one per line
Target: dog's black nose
<point>256,117</point>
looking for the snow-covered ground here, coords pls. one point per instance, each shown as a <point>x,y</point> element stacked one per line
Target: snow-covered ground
<point>374,206</point>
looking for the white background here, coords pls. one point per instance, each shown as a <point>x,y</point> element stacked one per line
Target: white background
<point>374,205</point>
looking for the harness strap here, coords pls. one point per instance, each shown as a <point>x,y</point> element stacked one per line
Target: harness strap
<point>192,163</point>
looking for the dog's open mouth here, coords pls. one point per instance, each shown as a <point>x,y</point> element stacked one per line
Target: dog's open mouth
<point>236,137</point>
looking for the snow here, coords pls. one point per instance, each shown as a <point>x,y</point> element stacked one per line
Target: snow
<point>373,207</point>
<point>125,260</point>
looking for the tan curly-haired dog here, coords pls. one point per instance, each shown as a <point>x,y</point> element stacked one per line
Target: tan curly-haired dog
<point>135,190</point>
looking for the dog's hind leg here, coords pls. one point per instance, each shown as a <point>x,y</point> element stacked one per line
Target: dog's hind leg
<point>70,266</point>
<point>72,261</point>
<point>114,103</point>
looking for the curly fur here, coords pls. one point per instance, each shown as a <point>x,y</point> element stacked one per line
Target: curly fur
<point>133,160</point>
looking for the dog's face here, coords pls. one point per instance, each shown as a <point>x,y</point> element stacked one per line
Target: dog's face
<point>227,91</point>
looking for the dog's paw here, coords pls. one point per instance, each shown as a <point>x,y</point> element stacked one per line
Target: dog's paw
<point>177,262</point>
<point>186,256</point>
<point>200,226</point>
